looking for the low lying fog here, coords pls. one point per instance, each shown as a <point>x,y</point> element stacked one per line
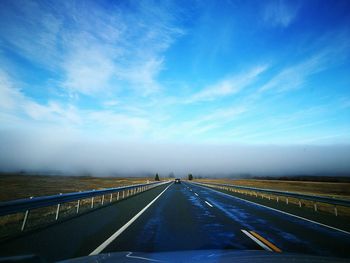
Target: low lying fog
<point>75,156</point>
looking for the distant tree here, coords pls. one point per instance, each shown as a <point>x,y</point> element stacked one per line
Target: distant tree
<point>171,175</point>
<point>157,177</point>
<point>190,177</point>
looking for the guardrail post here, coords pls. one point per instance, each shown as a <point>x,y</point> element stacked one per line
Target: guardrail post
<point>277,199</point>
<point>110,198</point>
<point>335,210</point>
<point>25,217</point>
<point>299,203</point>
<point>78,205</point>
<point>58,210</point>
<point>287,200</point>
<point>92,201</point>
<point>315,206</point>
<point>123,194</point>
<point>103,199</point>
<point>117,196</point>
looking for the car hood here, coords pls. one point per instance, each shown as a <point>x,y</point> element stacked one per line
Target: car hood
<point>204,256</point>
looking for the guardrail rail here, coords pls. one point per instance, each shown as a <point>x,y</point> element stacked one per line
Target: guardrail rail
<point>315,199</point>
<point>90,198</point>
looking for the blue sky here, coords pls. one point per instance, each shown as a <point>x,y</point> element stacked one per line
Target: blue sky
<point>204,72</point>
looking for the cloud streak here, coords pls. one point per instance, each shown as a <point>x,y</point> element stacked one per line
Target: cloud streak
<point>227,86</point>
<point>280,13</point>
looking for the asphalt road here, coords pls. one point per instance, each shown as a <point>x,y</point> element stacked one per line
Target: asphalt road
<point>183,217</point>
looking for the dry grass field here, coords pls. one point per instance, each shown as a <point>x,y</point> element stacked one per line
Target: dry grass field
<point>15,186</point>
<point>332,189</point>
<point>340,190</point>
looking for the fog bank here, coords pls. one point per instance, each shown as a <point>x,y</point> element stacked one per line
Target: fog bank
<point>102,157</point>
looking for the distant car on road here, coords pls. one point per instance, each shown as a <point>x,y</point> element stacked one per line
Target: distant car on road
<point>177,181</point>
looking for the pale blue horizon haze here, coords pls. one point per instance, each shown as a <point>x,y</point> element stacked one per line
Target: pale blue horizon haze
<point>211,87</point>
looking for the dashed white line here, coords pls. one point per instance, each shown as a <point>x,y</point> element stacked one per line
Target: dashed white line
<point>256,240</point>
<point>209,204</point>
<point>101,247</point>
<point>196,194</point>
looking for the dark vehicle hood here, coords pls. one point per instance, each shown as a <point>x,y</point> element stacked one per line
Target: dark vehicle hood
<point>204,256</point>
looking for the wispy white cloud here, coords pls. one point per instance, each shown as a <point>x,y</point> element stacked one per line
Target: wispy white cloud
<point>142,75</point>
<point>94,49</point>
<point>89,69</point>
<point>31,30</point>
<point>19,110</point>
<point>280,12</point>
<point>227,86</point>
<point>335,52</point>
<point>294,76</point>
<point>193,127</point>
<point>8,94</point>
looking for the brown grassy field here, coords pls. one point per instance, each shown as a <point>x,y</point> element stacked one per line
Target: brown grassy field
<point>338,190</point>
<point>16,186</point>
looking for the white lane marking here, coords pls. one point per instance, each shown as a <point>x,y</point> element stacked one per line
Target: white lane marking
<point>309,220</point>
<point>121,230</point>
<point>147,259</point>
<point>209,204</point>
<point>256,240</point>
<point>196,194</point>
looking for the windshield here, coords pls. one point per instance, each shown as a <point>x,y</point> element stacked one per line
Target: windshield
<point>174,126</point>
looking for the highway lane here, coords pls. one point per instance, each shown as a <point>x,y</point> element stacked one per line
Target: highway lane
<point>80,235</point>
<point>180,220</point>
<point>190,217</point>
<point>289,233</point>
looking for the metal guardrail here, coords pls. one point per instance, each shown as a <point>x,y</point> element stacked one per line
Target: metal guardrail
<point>25,205</point>
<point>314,198</point>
